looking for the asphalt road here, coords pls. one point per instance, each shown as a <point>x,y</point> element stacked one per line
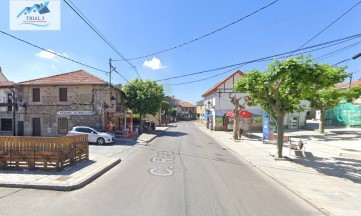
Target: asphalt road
<point>182,172</point>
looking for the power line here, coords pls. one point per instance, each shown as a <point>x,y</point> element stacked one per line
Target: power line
<point>329,25</point>
<point>114,69</point>
<point>207,77</point>
<point>281,55</point>
<point>337,51</point>
<point>206,35</point>
<point>54,53</point>
<point>93,27</point>
<point>61,56</point>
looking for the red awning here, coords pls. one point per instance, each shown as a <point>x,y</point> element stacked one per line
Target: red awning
<point>242,114</point>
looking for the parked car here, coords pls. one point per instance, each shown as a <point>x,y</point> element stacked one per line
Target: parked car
<point>94,136</point>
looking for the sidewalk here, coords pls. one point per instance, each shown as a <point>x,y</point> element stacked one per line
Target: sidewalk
<point>329,177</point>
<point>101,159</point>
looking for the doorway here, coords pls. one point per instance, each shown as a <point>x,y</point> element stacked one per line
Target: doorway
<point>36,127</point>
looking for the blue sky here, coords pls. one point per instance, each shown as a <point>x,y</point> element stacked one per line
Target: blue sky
<point>142,27</point>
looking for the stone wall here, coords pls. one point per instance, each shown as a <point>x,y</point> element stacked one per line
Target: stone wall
<point>86,98</point>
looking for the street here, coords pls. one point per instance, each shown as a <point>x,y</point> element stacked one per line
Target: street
<point>182,172</point>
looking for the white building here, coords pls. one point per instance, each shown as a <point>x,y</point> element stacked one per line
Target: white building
<point>217,102</point>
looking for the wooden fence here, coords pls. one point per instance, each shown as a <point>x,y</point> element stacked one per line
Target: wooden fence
<point>49,153</point>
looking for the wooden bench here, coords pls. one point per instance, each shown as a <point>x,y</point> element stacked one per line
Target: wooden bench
<point>297,146</point>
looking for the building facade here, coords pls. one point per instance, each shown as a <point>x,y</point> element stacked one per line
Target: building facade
<point>217,103</point>
<point>51,106</point>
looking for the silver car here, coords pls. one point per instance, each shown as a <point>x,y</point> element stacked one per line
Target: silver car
<point>93,135</point>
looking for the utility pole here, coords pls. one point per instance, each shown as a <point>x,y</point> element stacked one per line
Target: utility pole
<point>110,72</point>
<point>353,58</point>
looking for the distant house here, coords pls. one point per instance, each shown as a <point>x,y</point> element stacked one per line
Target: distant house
<point>200,110</point>
<point>348,85</point>
<point>51,106</point>
<point>186,111</point>
<point>173,102</point>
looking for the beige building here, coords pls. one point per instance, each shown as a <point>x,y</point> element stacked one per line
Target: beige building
<point>186,111</point>
<point>51,106</point>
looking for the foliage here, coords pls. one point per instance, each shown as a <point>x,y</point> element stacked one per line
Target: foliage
<point>328,98</point>
<point>143,97</point>
<point>280,89</point>
<point>165,105</point>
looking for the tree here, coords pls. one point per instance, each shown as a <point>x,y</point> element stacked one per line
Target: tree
<point>280,89</point>
<point>143,97</point>
<point>165,107</point>
<point>174,113</point>
<point>328,98</point>
<point>237,108</point>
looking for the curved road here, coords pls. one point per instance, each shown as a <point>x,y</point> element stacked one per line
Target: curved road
<point>182,172</point>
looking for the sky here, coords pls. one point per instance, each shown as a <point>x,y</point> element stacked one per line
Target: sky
<point>142,27</point>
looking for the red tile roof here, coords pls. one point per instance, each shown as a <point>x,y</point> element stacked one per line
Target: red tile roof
<point>186,105</point>
<point>72,78</point>
<point>346,85</point>
<point>6,84</point>
<point>214,88</point>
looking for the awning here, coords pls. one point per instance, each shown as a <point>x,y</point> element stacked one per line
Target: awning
<point>242,114</point>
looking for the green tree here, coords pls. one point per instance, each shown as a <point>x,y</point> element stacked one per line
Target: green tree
<point>165,107</point>
<point>328,98</point>
<point>174,113</point>
<point>280,89</point>
<point>143,97</point>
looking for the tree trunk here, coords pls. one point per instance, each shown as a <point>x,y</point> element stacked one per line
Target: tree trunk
<point>236,124</point>
<point>140,128</point>
<point>280,133</point>
<point>322,121</point>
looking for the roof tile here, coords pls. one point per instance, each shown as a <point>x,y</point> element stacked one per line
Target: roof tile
<point>72,78</point>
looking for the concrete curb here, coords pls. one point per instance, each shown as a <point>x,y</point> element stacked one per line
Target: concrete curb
<point>65,187</point>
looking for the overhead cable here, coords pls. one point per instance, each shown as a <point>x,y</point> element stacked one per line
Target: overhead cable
<point>54,53</point>
<point>281,55</point>
<point>93,27</point>
<point>206,35</point>
<point>329,25</point>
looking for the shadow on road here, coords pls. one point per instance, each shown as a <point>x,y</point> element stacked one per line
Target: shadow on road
<point>172,134</point>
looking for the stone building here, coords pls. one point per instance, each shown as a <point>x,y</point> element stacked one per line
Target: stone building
<point>51,106</point>
<point>7,111</point>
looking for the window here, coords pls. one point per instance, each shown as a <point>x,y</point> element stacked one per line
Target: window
<point>63,94</point>
<point>10,100</point>
<point>62,125</point>
<point>6,124</point>
<point>36,94</point>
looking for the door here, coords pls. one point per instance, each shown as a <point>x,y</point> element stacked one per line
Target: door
<point>20,128</point>
<point>36,127</point>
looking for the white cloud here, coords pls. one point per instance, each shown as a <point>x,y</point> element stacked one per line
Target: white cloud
<point>46,55</point>
<point>154,64</point>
